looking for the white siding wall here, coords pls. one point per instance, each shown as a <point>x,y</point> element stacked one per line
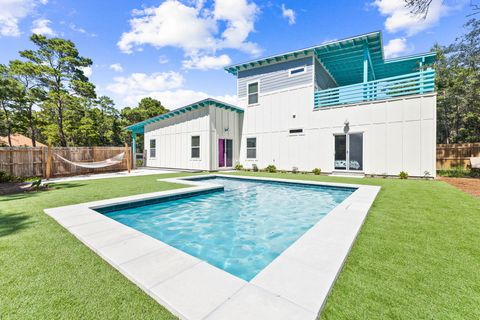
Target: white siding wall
<point>173,137</point>
<point>221,119</point>
<point>399,135</point>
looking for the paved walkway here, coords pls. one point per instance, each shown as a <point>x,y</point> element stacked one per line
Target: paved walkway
<point>133,173</point>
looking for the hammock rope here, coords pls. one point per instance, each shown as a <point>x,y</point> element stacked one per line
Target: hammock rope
<point>97,164</point>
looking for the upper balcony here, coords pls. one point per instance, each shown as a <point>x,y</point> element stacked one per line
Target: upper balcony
<point>360,72</point>
<point>408,84</point>
<point>342,72</point>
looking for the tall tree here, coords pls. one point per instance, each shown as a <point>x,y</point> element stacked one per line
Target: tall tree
<point>106,116</point>
<point>28,74</point>
<point>147,108</point>
<point>61,77</point>
<point>458,87</point>
<point>10,95</point>
<point>421,7</point>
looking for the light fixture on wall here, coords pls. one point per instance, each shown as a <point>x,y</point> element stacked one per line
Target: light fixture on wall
<point>346,128</point>
<point>226,129</point>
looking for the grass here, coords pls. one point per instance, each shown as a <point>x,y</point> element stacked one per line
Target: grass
<point>417,256</point>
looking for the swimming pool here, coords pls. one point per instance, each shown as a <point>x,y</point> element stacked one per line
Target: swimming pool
<point>239,229</point>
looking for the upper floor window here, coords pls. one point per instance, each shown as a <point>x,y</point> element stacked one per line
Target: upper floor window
<point>251,148</point>
<point>153,148</point>
<point>195,147</point>
<point>296,71</point>
<point>252,92</point>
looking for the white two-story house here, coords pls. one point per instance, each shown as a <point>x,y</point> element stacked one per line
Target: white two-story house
<point>339,106</point>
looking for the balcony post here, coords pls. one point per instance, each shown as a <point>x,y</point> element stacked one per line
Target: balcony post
<point>421,75</point>
<point>134,150</point>
<point>365,72</point>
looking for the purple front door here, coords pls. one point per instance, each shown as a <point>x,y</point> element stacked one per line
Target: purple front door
<point>221,152</point>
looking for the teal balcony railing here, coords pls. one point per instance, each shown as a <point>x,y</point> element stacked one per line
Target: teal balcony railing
<point>408,84</point>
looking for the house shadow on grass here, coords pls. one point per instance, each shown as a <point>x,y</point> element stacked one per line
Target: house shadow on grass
<point>11,223</point>
<point>35,193</point>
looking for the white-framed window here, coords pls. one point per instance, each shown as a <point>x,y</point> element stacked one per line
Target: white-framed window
<point>296,71</point>
<point>252,92</point>
<point>153,148</point>
<point>195,152</point>
<point>251,148</point>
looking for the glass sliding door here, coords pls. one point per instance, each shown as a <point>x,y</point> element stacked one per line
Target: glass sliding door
<point>349,151</point>
<point>355,151</point>
<point>341,152</point>
<point>229,152</point>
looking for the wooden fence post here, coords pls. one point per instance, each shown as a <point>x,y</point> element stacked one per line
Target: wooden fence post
<point>49,162</point>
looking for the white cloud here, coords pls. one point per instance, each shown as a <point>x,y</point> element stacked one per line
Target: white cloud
<point>170,24</point>
<point>240,16</point>
<point>399,18</point>
<point>174,99</point>
<point>87,71</point>
<point>142,84</point>
<point>289,14</point>
<point>76,28</point>
<point>207,62</point>
<point>197,30</point>
<point>117,67</point>
<point>41,26</point>
<point>12,11</point>
<point>162,59</point>
<point>396,47</point>
<point>166,87</point>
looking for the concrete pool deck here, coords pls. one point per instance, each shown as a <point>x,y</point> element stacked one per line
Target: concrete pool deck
<point>295,285</point>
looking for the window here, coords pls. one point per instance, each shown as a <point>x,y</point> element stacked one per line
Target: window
<point>195,147</point>
<point>153,148</point>
<point>293,131</point>
<point>251,148</point>
<point>252,90</point>
<point>296,71</point>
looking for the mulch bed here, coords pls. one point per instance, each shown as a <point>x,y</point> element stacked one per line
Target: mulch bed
<point>468,185</point>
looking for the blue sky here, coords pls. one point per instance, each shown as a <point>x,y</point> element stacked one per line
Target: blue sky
<point>175,50</point>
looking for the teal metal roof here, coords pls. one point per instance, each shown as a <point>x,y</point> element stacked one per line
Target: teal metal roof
<point>343,59</point>
<point>139,126</point>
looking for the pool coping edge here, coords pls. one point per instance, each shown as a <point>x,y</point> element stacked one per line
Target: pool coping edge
<point>277,288</point>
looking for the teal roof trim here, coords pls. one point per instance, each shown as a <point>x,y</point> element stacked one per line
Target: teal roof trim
<point>139,126</point>
<point>343,59</point>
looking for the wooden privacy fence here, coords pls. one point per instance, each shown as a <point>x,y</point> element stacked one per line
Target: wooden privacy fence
<point>32,162</point>
<point>456,155</point>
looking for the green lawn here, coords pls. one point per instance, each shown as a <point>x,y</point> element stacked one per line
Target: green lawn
<point>417,256</point>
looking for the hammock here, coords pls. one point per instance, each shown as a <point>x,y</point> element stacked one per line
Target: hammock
<point>98,164</point>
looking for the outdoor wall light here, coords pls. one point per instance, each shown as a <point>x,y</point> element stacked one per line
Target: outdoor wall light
<point>346,128</point>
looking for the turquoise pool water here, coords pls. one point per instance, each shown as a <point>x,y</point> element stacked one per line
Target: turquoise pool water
<point>240,229</point>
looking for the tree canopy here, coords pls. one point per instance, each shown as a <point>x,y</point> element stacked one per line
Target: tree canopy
<point>46,96</point>
<point>458,87</point>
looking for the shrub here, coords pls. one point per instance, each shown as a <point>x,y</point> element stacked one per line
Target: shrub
<point>271,168</point>
<point>238,166</point>
<point>254,168</point>
<point>5,177</point>
<point>317,171</point>
<point>294,170</point>
<point>475,173</point>
<point>403,175</point>
<point>455,172</point>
